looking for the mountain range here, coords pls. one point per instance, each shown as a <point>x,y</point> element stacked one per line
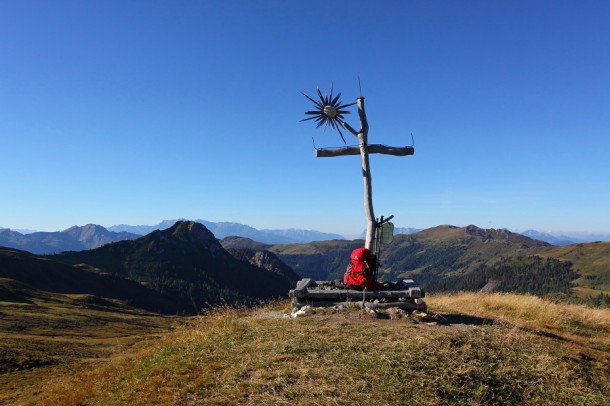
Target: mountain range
<point>78,238</point>
<point>551,239</point>
<point>186,262</point>
<point>226,229</point>
<point>178,270</point>
<point>92,236</point>
<point>72,239</point>
<point>184,268</point>
<point>562,240</point>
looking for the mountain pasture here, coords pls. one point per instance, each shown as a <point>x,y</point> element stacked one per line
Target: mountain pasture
<point>507,353</point>
<point>44,336</point>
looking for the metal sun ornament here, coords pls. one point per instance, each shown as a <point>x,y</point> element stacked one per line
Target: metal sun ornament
<point>329,111</point>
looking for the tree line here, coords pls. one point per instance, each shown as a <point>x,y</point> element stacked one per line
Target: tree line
<point>532,274</point>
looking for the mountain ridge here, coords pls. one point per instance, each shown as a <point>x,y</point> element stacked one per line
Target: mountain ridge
<point>550,238</point>
<point>436,248</point>
<point>51,242</point>
<point>72,239</point>
<point>446,258</point>
<point>187,262</point>
<point>227,229</point>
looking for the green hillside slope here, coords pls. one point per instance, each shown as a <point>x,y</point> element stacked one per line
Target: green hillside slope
<point>317,260</point>
<point>446,250</point>
<point>434,252</point>
<point>38,276</point>
<point>448,258</point>
<point>591,261</point>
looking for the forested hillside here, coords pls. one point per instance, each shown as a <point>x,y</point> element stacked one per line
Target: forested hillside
<point>435,252</point>
<point>187,263</point>
<point>448,258</point>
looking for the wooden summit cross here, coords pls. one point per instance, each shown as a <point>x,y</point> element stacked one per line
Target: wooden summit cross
<point>329,111</point>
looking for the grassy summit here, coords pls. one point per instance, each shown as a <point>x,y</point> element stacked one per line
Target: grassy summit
<point>476,349</point>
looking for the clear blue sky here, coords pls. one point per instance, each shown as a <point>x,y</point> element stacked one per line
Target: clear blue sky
<point>138,111</point>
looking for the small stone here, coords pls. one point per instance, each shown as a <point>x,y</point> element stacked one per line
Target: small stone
<point>295,313</point>
<point>396,313</point>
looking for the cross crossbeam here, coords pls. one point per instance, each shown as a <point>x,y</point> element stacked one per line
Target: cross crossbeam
<point>371,149</point>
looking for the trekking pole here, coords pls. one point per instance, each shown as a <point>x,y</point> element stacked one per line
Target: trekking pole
<point>377,247</point>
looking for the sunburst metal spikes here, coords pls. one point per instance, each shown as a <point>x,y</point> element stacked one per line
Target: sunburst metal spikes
<point>329,111</point>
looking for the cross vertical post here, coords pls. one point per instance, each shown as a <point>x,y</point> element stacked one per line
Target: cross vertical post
<point>366,175</point>
<point>329,111</point>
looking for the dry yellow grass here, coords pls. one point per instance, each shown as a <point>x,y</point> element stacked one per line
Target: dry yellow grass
<point>326,357</point>
<point>578,322</point>
<point>55,335</point>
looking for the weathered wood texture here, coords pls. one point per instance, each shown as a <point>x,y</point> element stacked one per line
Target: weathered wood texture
<point>303,284</point>
<point>371,149</point>
<point>355,294</point>
<point>414,304</point>
<point>321,294</point>
<point>367,184</point>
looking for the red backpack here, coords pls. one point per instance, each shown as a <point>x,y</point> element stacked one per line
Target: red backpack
<point>359,272</point>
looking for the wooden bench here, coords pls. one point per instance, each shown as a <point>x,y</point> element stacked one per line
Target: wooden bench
<point>407,295</point>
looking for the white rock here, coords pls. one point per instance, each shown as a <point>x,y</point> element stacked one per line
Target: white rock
<point>299,312</point>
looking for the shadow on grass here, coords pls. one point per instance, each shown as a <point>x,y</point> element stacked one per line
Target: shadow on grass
<point>457,319</point>
<point>465,320</point>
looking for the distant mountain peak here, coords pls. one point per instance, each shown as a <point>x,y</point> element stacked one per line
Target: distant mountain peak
<point>484,234</point>
<point>226,229</point>
<point>83,232</point>
<point>196,232</point>
<point>551,239</point>
<point>72,239</point>
<point>183,235</point>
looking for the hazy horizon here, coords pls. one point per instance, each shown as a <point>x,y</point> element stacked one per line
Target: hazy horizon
<point>349,236</point>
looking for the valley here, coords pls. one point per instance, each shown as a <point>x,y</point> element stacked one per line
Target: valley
<point>51,335</point>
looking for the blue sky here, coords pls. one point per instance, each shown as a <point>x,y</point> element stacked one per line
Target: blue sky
<point>137,111</point>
